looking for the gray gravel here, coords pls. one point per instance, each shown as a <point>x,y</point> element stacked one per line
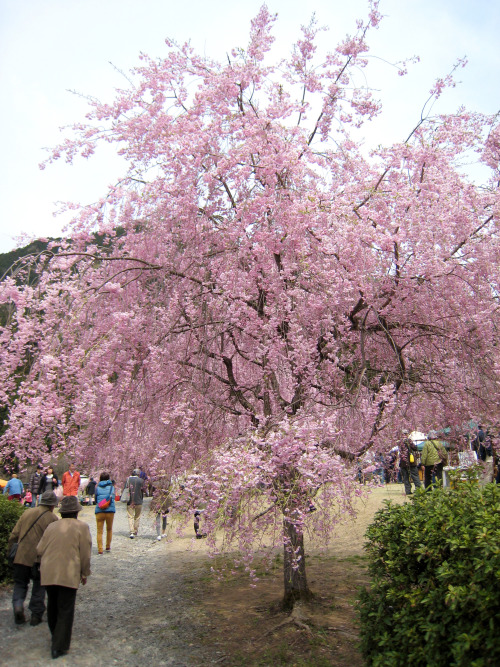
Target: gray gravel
<point>139,607</point>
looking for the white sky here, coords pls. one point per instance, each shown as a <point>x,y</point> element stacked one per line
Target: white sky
<point>48,47</point>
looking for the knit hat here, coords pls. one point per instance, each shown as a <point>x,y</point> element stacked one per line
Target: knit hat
<point>48,498</point>
<point>69,504</point>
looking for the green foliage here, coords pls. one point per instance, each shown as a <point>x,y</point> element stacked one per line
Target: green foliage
<point>10,511</point>
<point>435,593</point>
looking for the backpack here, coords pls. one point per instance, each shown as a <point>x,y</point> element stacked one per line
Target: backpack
<point>441,452</point>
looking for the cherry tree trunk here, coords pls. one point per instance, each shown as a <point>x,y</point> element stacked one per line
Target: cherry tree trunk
<point>294,567</point>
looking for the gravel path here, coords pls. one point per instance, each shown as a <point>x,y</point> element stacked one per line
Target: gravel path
<point>138,607</point>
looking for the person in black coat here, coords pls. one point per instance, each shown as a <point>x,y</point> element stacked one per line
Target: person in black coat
<point>90,491</point>
<point>49,481</point>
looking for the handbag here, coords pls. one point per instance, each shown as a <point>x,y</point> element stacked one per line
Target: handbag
<point>12,553</point>
<point>105,502</point>
<point>13,550</point>
<point>125,497</point>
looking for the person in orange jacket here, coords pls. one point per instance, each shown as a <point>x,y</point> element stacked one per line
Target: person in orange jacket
<point>71,481</point>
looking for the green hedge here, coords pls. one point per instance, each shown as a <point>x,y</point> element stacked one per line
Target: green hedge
<point>10,511</point>
<point>434,599</point>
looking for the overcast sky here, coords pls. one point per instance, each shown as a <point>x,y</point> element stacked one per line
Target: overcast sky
<point>48,47</point>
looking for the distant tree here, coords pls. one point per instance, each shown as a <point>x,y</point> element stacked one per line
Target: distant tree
<point>278,305</point>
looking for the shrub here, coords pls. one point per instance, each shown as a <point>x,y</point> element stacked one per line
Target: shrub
<point>435,593</point>
<point>10,511</point>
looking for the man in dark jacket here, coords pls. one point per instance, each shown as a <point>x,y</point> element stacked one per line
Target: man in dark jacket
<point>408,451</point>
<point>90,491</point>
<point>27,533</point>
<point>34,485</point>
<point>134,505</point>
<point>478,440</point>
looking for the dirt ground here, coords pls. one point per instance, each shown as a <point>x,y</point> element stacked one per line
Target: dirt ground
<point>151,602</point>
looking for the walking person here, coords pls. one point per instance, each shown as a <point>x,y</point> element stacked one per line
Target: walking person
<point>71,481</point>
<point>34,484</point>
<point>146,487</point>
<point>161,524</point>
<point>27,533</point>
<point>14,489</point>
<point>434,458</point>
<point>135,486</point>
<point>160,505</point>
<point>408,468</point>
<point>90,491</point>
<point>104,510</point>
<point>65,550</point>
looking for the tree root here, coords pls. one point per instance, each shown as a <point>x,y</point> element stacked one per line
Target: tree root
<point>295,618</point>
<point>343,631</point>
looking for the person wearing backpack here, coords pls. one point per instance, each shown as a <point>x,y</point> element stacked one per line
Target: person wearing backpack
<point>434,458</point>
<point>408,451</point>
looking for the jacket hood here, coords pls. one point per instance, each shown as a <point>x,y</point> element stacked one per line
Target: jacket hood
<point>104,483</point>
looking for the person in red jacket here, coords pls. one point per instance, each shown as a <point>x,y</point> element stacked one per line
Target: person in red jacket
<point>71,481</point>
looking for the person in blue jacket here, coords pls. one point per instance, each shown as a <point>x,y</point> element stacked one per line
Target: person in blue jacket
<point>14,488</point>
<point>104,492</point>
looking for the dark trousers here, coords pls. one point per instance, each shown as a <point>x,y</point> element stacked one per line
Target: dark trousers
<point>60,612</point>
<point>438,474</point>
<point>22,575</point>
<point>410,475</point>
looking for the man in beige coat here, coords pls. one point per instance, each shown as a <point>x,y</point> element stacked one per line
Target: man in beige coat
<point>65,550</point>
<point>27,533</point>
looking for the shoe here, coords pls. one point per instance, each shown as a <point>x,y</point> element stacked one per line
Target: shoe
<point>19,616</point>
<point>57,654</point>
<point>132,536</point>
<point>108,551</point>
<point>99,553</point>
<point>159,538</point>
<point>35,620</point>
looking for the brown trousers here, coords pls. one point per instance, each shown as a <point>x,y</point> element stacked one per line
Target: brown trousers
<point>101,519</point>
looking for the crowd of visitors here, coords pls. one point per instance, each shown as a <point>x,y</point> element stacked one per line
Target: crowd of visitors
<point>54,555</point>
<point>421,462</point>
